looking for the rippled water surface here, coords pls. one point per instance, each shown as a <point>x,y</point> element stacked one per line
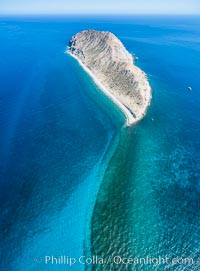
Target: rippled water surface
<point>148,204</point>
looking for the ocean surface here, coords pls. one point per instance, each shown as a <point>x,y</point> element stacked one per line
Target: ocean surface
<point>73,180</point>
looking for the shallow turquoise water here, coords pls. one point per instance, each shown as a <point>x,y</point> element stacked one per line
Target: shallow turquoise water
<point>55,138</point>
<point>151,188</point>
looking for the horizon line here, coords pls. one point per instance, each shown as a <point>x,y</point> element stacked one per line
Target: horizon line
<point>96,14</point>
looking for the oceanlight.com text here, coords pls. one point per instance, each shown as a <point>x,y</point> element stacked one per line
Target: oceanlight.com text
<point>115,260</point>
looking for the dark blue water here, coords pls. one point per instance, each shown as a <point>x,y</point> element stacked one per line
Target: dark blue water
<point>54,141</point>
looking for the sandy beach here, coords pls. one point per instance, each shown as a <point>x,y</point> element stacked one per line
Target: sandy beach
<point>130,120</point>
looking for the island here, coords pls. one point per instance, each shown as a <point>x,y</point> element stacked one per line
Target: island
<point>112,67</point>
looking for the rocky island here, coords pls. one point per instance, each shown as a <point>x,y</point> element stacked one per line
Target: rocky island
<point>112,67</point>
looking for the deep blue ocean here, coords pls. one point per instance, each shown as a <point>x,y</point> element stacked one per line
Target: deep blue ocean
<point>72,181</point>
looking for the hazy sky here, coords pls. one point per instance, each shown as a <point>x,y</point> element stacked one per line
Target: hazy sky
<point>101,6</point>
